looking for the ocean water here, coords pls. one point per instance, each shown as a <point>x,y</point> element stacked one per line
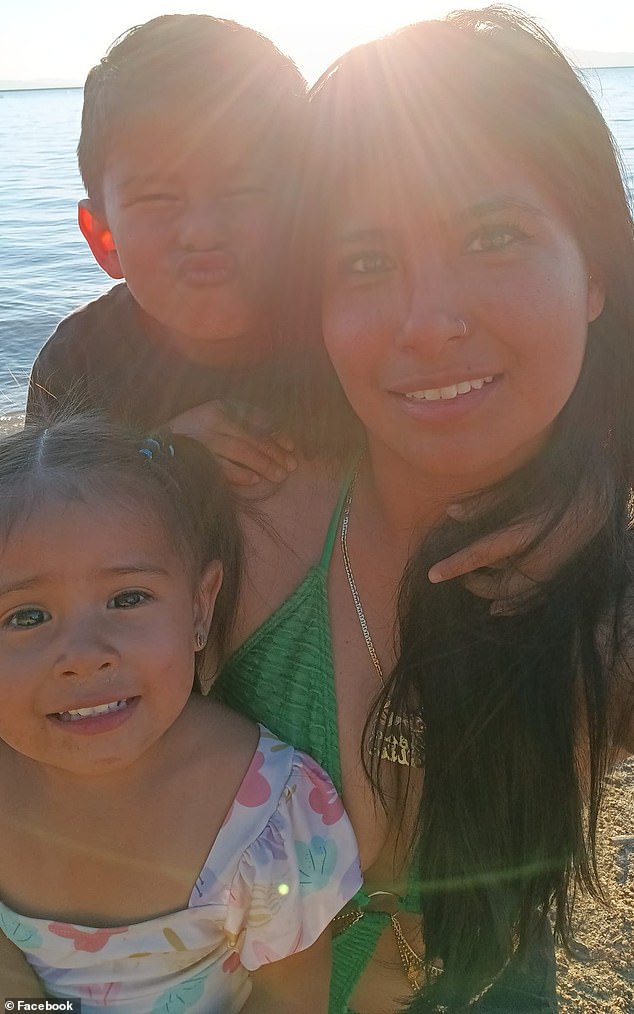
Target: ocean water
<point>46,269</point>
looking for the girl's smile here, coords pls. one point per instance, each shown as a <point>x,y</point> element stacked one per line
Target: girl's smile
<point>96,718</point>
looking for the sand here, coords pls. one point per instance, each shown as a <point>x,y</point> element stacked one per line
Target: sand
<point>600,980</point>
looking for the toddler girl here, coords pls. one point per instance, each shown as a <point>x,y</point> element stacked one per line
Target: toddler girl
<point>155,848</point>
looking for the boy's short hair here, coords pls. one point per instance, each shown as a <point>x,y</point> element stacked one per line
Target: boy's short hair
<point>205,67</point>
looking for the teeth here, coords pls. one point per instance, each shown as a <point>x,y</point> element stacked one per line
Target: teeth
<point>449,392</point>
<point>76,713</point>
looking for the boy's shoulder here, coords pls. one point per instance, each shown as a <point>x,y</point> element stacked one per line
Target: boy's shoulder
<point>112,315</point>
<point>93,359</point>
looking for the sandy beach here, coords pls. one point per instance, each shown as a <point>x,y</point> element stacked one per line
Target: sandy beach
<point>600,980</point>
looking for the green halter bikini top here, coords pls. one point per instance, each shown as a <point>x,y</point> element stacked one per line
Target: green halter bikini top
<point>283,676</point>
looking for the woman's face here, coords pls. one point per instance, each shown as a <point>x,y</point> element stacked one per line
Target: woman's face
<point>407,262</point>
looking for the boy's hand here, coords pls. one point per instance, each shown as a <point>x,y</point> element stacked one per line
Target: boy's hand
<point>245,454</point>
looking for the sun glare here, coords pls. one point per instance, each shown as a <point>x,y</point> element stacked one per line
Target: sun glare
<point>312,34</point>
<point>315,35</point>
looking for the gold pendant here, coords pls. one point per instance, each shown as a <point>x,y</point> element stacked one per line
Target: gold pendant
<point>400,739</point>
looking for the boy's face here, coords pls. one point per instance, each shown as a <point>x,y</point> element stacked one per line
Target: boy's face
<point>196,224</point>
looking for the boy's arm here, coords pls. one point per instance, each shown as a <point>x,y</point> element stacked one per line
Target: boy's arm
<point>245,454</point>
<point>297,985</point>
<point>17,979</point>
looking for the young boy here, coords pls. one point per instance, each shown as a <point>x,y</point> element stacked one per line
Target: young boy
<point>191,128</point>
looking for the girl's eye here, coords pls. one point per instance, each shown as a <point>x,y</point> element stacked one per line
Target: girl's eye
<point>494,237</point>
<point>128,599</point>
<point>22,619</point>
<point>369,264</point>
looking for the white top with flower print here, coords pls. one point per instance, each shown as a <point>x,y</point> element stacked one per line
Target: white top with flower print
<point>283,864</point>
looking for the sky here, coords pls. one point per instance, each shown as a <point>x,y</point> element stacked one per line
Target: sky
<point>62,39</point>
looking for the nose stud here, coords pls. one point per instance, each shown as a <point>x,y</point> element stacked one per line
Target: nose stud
<point>463,326</point>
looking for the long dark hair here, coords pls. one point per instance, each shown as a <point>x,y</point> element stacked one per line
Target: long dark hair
<point>171,476</point>
<point>503,832</point>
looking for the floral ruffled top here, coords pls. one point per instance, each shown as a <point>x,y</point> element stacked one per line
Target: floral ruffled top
<point>283,864</point>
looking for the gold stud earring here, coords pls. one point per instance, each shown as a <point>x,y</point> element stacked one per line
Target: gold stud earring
<point>201,641</point>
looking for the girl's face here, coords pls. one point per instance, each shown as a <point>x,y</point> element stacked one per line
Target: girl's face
<point>98,615</point>
<point>407,261</point>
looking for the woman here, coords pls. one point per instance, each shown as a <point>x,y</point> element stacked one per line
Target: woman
<point>468,245</point>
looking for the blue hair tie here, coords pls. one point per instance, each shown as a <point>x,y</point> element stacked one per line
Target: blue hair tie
<point>155,447</point>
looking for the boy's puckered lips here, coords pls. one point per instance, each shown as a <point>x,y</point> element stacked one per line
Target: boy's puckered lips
<point>214,267</point>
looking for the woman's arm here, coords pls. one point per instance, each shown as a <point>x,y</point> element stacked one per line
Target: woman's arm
<point>16,976</point>
<point>296,985</point>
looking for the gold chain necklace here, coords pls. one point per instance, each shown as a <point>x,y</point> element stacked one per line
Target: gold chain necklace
<point>399,737</point>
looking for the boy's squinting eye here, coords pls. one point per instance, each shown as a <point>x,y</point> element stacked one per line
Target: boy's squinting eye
<point>490,238</point>
<point>371,263</point>
<point>128,599</point>
<point>159,197</point>
<point>248,192</point>
<point>23,619</point>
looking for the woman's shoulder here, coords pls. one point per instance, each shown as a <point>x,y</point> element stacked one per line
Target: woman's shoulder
<point>312,489</point>
<point>284,537</point>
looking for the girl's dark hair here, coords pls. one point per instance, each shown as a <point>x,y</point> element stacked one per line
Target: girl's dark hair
<point>171,476</point>
<point>503,832</point>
